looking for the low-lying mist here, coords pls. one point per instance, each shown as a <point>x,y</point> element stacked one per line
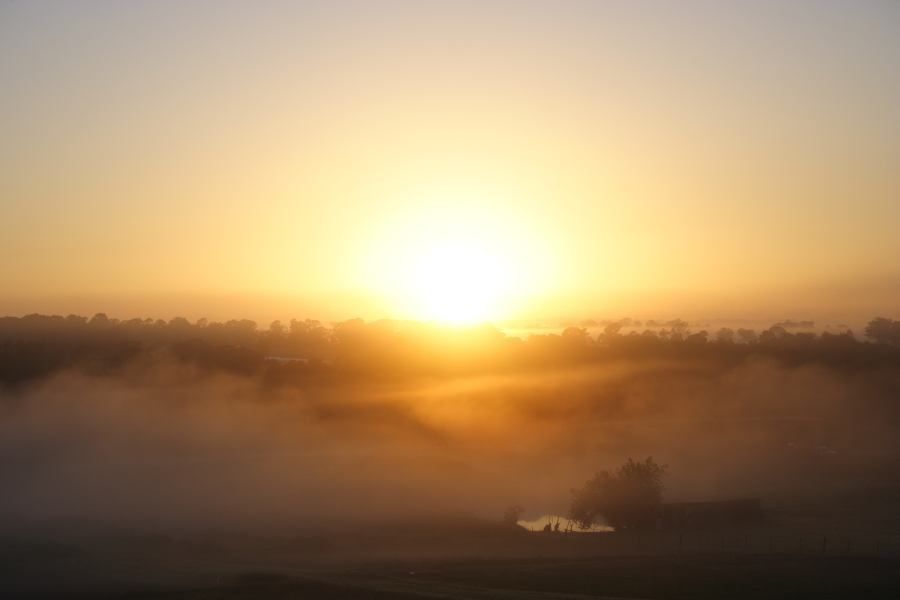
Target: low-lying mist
<point>163,446</point>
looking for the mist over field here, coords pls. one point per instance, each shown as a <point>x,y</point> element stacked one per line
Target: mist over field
<point>175,438</point>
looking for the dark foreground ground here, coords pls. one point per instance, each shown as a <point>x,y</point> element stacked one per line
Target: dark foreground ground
<point>793,554</point>
<point>625,577</point>
<point>691,575</point>
<point>622,577</point>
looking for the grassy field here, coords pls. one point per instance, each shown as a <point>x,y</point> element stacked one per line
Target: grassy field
<point>737,575</point>
<point>694,577</point>
<point>794,554</point>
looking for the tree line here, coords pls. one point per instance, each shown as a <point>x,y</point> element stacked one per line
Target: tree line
<point>36,345</point>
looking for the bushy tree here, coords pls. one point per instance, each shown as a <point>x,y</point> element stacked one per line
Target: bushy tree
<point>627,498</point>
<point>883,331</point>
<point>725,335</point>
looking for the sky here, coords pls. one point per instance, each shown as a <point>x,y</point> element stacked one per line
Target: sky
<point>447,160</point>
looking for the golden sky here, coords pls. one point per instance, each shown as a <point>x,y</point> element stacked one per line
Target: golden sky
<point>449,159</point>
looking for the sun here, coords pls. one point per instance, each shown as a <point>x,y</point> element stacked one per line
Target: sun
<point>453,265</point>
<point>459,281</point>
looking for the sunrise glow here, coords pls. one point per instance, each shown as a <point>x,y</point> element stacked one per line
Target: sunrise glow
<point>449,299</point>
<point>458,281</point>
<point>455,260</point>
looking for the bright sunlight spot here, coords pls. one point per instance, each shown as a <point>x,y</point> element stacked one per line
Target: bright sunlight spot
<point>455,265</point>
<point>459,281</point>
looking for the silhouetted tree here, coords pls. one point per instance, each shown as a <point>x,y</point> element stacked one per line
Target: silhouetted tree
<point>883,330</point>
<point>576,336</point>
<point>773,334</point>
<point>276,329</point>
<point>698,338</point>
<point>612,329</point>
<point>725,335</point>
<point>99,320</point>
<point>626,499</point>
<point>747,336</point>
<point>678,326</point>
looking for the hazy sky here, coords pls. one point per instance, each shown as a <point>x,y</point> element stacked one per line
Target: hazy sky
<point>335,157</point>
